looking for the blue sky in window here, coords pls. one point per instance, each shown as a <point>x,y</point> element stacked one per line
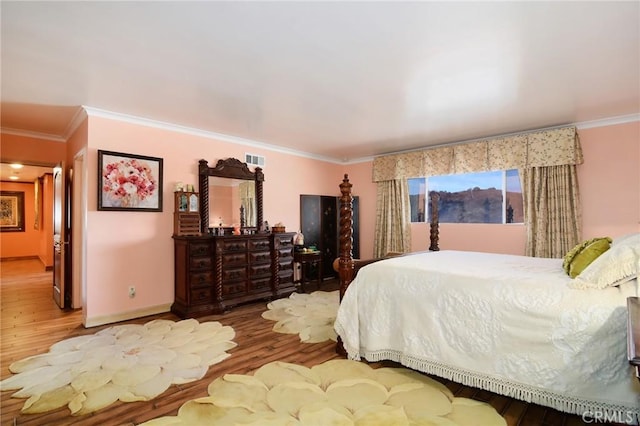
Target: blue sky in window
<point>457,183</point>
<point>513,181</point>
<point>462,182</point>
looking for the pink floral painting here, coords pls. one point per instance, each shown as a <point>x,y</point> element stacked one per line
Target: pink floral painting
<point>129,182</point>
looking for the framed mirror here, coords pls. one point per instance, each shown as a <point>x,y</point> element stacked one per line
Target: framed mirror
<point>230,193</point>
<point>232,201</point>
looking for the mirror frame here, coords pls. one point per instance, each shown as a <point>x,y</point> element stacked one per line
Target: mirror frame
<point>230,168</point>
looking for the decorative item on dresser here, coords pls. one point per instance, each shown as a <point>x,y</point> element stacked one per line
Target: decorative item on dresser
<point>186,213</point>
<point>215,271</point>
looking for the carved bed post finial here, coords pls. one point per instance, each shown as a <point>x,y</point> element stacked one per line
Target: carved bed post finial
<point>259,179</point>
<point>433,236</point>
<point>203,189</point>
<point>345,262</point>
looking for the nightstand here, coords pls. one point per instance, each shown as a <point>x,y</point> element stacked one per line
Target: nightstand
<point>305,259</point>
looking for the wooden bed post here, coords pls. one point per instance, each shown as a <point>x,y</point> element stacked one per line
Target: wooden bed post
<point>345,262</point>
<point>433,236</point>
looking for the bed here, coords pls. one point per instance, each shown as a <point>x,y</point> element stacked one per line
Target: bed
<point>514,325</point>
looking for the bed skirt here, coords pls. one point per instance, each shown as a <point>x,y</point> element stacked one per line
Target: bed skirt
<point>586,409</point>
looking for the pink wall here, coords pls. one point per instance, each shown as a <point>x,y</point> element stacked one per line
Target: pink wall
<point>221,210</point>
<point>77,142</point>
<point>610,180</point>
<point>135,248</point>
<point>31,150</point>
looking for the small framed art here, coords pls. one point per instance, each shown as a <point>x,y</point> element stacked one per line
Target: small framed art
<point>11,211</point>
<point>128,182</point>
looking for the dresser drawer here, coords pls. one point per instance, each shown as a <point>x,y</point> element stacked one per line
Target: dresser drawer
<point>231,274</point>
<point>200,279</point>
<point>234,288</point>
<point>199,249</point>
<point>260,244</point>
<point>234,259</point>
<point>234,245</point>
<point>285,264</point>
<point>285,253</point>
<point>201,296</point>
<point>260,270</point>
<point>260,257</point>
<point>260,284</point>
<point>200,263</point>
<point>284,241</point>
<point>285,277</point>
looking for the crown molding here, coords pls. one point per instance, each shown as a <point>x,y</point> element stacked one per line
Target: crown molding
<point>35,135</point>
<point>96,112</point>
<point>612,121</point>
<point>78,118</point>
<point>88,111</point>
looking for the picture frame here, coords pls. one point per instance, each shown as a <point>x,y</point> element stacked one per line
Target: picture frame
<point>129,182</point>
<point>12,211</point>
<point>37,201</point>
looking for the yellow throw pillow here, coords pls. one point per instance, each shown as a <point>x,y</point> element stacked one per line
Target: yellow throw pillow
<point>579,257</point>
<point>572,253</point>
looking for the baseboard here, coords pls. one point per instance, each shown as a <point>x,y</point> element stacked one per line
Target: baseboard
<point>9,259</point>
<point>125,316</point>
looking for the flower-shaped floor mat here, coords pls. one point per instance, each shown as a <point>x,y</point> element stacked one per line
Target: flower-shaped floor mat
<point>311,316</point>
<point>127,362</point>
<point>337,392</point>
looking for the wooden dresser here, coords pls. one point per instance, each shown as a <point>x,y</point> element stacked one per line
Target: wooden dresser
<point>214,273</point>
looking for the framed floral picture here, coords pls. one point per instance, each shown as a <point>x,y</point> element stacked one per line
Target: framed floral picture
<point>128,182</point>
<point>11,211</point>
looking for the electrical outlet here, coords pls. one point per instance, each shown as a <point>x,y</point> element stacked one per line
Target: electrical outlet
<point>132,292</point>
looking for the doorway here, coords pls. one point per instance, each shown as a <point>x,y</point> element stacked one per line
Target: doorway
<point>28,177</point>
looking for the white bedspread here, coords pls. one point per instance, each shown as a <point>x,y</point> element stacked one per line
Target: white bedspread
<point>508,324</point>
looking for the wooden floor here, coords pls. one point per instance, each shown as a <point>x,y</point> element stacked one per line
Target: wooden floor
<point>31,322</point>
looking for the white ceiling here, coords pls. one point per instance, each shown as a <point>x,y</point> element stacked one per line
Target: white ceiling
<point>337,80</point>
<point>28,173</point>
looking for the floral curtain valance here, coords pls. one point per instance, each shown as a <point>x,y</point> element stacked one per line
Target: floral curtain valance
<point>536,149</point>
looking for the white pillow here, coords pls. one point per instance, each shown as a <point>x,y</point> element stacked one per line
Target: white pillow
<point>622,238</point>
<point>613,267</point>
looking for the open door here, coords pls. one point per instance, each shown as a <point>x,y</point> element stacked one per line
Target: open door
<point>61,239</point>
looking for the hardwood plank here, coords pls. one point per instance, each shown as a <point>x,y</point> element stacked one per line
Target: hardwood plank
<point>31,323</point>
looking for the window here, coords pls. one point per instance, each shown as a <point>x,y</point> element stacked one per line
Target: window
<point>485,197</point>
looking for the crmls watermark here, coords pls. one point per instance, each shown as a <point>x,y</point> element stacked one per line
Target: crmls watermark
<point>625,417</point>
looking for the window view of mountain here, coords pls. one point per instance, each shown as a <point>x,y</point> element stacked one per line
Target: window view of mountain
<point>479,206</point>
<point>469,198</point>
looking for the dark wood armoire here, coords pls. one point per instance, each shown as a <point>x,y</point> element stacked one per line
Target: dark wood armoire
<point>319,223</point>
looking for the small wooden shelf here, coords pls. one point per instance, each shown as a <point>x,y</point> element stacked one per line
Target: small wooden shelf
<point>186,216</point>
<point>186,224</point>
